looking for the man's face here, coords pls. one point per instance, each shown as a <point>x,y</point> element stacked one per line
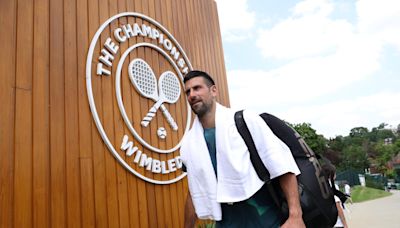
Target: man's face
<point>200,96</point>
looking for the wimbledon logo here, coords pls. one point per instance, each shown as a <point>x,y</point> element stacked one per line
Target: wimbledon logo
<point>134,80</point>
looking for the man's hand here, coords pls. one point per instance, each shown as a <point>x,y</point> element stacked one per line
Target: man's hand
<point>288,184</point>
<point>294,222</point>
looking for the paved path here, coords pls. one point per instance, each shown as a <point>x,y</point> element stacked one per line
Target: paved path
<point>383,212</point>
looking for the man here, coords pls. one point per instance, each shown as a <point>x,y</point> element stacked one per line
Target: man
<point>223,185</point>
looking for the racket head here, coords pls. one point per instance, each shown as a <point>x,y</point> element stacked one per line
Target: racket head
<point>143,78</point>
<point>170,87</point>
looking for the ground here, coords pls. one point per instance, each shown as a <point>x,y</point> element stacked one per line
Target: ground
<point>382,212</point>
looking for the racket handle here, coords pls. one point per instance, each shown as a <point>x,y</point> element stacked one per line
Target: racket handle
<point>149,116</point>
<point>170,119</point>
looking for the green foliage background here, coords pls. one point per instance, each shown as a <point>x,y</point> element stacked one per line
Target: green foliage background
<point>361,149</point>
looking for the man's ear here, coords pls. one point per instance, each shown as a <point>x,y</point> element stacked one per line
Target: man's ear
<point>214,90</point>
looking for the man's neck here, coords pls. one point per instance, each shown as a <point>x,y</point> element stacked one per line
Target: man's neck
<point>208,119</point>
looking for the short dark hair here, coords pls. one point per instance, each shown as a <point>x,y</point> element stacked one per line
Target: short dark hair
<point>198,73</point>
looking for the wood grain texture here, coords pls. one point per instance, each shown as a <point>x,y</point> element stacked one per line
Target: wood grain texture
<point>23,178</point>
<point>56,170</point>
<point>8,28</point>
<point>41,117</point>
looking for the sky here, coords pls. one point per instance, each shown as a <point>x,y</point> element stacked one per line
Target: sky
<point>333,64</point>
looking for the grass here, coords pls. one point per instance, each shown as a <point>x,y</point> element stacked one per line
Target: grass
<point>206,225</point>
<point>360,194</point>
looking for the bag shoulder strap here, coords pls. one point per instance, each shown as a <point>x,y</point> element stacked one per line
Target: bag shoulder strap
<point>258,165</point>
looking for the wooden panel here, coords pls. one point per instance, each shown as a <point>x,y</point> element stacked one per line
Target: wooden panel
<point>121,175</point>
<point>185,15</point>
<point>56,171</point>
<point>23,116</point>
<point>169,192</point>
<point>162,217</point>
<point>109,161</point>
<point>136,201</point>
<point>57,116</point>
<point>8,12</point>
<point>201,36</point>
<point>41,137</point>
<point>153,208</point>
<point>72,162</point>
<point>137,185</point>
<point>219,57</point>
<point>85,121</point>
<point>98,148</point>
<point>174,21</point>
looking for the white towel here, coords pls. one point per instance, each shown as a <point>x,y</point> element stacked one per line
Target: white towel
<point>202,180</point>
<point>237,179</point>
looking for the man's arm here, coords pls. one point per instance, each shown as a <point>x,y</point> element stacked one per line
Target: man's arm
<point>190,215</point>
<point>288,183</point>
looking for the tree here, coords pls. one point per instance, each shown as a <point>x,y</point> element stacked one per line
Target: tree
<point>355,157</point>
<point>358,132</point>
<point>316,142</point>
<point>384,154</point>
<point>357,150</point>
<point>398,130</point>
<point>380,133</point>
<point>337,144</point>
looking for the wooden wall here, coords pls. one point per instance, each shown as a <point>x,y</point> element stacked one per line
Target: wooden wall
<point>55,170</point>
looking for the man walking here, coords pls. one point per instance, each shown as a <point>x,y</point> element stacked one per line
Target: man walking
<point>223,185</point>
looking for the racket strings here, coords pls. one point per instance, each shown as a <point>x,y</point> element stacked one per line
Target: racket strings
<point>144,77</point>
<point>170,87</point>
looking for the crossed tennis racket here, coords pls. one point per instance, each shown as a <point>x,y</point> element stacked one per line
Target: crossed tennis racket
<point>166,90</point>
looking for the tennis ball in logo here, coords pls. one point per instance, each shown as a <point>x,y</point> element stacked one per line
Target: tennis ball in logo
<point>162,133</point>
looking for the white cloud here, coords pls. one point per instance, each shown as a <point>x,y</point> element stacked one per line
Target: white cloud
<point>313,7</point>
<point>309,32</point>
<point>289,94</point>
<point>380,19</point>
<point>235,19</point>
<point>318,56</point>
<point>322,55</point>
<point>304,79</point>
<point>275,95</point>
<point>337,118</point>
